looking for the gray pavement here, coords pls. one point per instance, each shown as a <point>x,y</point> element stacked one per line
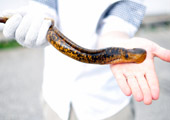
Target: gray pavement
<point>21,79</point>
<point>20,84</point>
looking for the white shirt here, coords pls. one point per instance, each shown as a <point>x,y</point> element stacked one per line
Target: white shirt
<point>92,89</point>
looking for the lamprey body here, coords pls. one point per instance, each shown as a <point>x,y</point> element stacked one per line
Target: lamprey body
<point>111,55</point>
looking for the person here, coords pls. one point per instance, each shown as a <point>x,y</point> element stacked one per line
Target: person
<point>90,91</point>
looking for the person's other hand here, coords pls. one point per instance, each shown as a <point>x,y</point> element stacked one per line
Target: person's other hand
<point>28,24</point>
<point>140,80</point>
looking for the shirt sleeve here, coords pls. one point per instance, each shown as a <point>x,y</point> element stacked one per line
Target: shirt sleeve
<point>125,16</point>
<point>51,3</point>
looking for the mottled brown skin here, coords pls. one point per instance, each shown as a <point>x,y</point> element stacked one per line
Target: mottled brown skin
<point>111,55</point>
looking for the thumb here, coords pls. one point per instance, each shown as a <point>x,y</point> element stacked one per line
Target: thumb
<point>10,12</point>
<point>162,53</point>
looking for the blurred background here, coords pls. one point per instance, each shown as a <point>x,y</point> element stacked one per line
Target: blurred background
<point>21,69</point>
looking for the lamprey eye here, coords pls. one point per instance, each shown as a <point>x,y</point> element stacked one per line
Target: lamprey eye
<point>126,56</point>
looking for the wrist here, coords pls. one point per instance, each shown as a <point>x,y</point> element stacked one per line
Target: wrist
<point>38,8</point>
<point>113,38</point>
<point>114,23</point>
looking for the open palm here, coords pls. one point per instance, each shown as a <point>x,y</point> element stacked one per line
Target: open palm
<point>141,80</point>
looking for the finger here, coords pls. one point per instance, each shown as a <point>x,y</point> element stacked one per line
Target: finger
<point>145,89</point>
<point>133,84</point>
<point>33,31</point>
<point>121,80</point>
<point>23,29</point>
<point>153,84</point>
<point>41,40</point>
<point>162,53</point>
<point>11,26</point>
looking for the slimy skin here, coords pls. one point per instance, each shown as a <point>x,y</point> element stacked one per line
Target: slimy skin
<point>111,55</point>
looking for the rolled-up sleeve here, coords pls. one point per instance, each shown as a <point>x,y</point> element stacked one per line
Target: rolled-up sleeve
<point>125,16</point>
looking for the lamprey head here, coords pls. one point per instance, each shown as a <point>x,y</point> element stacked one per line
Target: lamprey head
<point>135,55</point>
<point>122,55</point>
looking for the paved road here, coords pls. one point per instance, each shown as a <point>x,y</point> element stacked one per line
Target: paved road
<point>20,84</point>
<point>21,79</point>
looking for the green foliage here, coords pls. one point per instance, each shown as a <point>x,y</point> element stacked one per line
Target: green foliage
<point>8,44</point>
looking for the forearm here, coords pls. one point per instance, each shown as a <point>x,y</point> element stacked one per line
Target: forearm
<point>113,38</point>
<point>120,22</point>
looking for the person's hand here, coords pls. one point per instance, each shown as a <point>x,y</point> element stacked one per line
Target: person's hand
<point>140,80</point>
<point>28,24</point>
